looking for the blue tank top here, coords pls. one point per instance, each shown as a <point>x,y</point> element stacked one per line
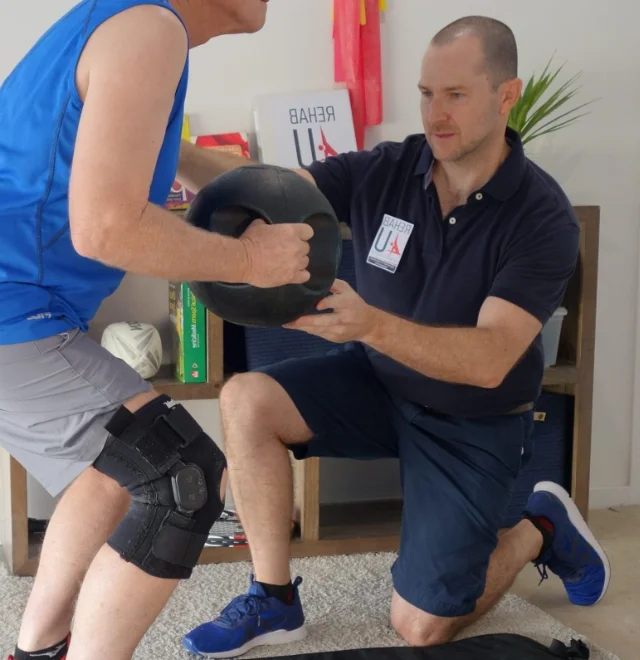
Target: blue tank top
<point>46,287</point>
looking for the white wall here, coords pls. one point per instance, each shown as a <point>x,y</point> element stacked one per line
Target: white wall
<point>295,52</point>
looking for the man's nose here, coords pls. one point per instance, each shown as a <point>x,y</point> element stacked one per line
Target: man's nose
<point>437,111</point>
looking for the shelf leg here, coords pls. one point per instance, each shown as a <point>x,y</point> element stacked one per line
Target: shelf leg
<point>306,479</point>
<point>15,520</point>
<point>581,464</point>
<point>586,340</point>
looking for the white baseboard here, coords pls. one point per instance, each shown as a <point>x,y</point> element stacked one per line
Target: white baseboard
<point>603,498</point>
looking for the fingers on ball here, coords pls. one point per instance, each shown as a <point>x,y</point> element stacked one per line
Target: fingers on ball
<point>304,276</point>
<point>305,231</point>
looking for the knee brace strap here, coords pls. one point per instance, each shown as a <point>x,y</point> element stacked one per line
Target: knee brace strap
<point>173,471</point>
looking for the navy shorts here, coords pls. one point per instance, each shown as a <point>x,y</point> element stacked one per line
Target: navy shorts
<point>456,474</point>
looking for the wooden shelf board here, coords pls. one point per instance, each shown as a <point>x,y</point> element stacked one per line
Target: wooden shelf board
<point>561,374</point>
<point>165,383</point>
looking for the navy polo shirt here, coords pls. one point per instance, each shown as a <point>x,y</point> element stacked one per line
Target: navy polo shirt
<point>516,238</point>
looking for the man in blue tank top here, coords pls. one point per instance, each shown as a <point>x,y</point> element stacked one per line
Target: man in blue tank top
<point>89,144</point>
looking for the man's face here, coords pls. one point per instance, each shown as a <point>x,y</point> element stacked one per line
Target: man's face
<point>246,16</point>
<point>460,109</point>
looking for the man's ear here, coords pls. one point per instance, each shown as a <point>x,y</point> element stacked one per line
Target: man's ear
<point>509,95</point>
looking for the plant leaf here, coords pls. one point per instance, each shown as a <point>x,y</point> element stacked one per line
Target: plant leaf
<point>552,129</point>
<point>533,114</point>
<point>521,107</point>
<point>547,109</point>
<point>564,87</point>
<point>556,100</point>
<point>532,93</point>
<point>567,113</point>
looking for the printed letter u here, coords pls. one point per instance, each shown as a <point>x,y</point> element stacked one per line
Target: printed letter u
<point>386,242</point>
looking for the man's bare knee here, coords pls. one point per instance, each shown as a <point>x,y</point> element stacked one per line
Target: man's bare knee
<point>427,633</point>
<point>91,489</point>
<point>107,490</point>
<point>419,628</point>
<point>100,485</point>
<point>256,400</point>
<point>250,390</point>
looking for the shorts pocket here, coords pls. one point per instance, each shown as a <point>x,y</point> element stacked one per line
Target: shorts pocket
<point>55,342</point>
<point>506,445</point>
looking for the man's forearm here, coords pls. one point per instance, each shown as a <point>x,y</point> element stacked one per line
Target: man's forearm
<point>198,166</point>
<point>161,244</point>
<point>471,356</point>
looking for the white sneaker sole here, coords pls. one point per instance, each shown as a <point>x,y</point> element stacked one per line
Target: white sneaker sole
<point>268,639</point>
<point>579,523</point>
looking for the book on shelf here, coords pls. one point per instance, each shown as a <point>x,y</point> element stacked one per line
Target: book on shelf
<point>188,320</point>
<point>180,197</point>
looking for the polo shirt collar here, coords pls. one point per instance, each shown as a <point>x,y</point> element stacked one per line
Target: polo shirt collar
<point>425,162</point>
<point>504,183</point>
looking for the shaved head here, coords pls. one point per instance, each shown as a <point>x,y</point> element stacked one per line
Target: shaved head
<point>497,40</point>
<point>468,85</point>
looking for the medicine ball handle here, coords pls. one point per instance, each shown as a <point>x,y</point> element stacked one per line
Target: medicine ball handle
<point>230,203</point>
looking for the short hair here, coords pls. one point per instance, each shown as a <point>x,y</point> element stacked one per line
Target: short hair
<point>498,44</point>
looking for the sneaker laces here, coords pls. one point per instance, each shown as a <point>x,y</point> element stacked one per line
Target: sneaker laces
<point>542,570</point>
<point>565,570</point>
<point>244,605</point>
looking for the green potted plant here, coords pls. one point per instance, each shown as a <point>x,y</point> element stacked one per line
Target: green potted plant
<point>533,117</point>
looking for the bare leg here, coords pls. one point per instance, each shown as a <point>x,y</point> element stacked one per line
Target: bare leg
<point>515,550</point>
<point>259,420</point>
<point>86,515</point>
<point>89,511</point>
<point>117,604</point>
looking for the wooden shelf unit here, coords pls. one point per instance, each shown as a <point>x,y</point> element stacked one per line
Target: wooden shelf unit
<point>370,526</point>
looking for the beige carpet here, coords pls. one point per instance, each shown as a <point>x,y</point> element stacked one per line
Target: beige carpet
<point>346,602</point>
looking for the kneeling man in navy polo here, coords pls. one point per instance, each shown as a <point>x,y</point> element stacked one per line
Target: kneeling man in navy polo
<point>463,251</point>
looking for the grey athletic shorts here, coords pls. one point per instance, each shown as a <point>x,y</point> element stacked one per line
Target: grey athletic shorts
<point>56,395</point>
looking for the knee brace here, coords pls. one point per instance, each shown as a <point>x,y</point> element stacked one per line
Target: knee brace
<point>173,472</point>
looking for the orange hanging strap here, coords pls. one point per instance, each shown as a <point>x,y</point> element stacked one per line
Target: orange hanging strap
<point>357,59</point>
<point>346,37</point>
<point>372,65</point>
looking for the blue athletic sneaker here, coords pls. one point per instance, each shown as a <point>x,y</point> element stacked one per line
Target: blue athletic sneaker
<point>249,620</point>
<point>573,553</point>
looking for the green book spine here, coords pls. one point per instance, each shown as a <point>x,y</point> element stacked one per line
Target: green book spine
<point>189,326</point>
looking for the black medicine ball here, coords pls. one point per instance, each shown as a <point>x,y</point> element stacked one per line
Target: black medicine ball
<point>229,204</point>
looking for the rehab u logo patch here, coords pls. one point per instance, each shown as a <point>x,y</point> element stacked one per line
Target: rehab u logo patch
<point>389,243</point>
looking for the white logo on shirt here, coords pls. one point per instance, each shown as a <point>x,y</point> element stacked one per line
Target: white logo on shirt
<point>389,243</point>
